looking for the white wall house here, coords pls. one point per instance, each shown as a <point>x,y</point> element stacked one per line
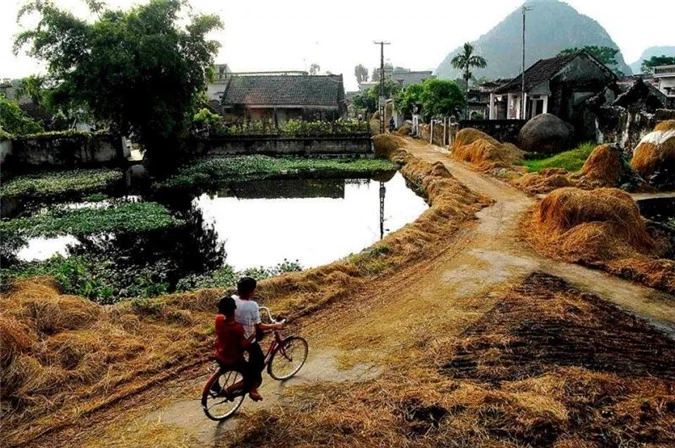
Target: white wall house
<point>666,79</point>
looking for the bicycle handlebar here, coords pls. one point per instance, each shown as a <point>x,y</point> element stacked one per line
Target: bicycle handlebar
<point>272,318</point>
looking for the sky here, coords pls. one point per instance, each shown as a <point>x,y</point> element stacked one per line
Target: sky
<point>337,35</point>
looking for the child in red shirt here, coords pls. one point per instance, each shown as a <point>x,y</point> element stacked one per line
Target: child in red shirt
<point>230,347</point>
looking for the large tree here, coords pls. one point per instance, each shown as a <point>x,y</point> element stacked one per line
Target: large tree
<point>655,61</point>
<point>361,73</point>
<point>606,55</point>
<point>441,98</point>
<point>406,100</point>
<point>141,71</point>
<point>465,61</point>
<point>314,69</point>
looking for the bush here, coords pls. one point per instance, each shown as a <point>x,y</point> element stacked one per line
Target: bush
<point>14,121</point>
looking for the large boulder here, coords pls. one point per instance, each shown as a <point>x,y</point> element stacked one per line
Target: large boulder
<point>546,133</point>
<point>654,157</point>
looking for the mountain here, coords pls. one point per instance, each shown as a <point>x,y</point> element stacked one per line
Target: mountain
<point>552,26</point>
<point>648,53</point>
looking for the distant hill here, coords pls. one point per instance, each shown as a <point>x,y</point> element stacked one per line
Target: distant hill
<point>552,26</point>
<point>648,53</point>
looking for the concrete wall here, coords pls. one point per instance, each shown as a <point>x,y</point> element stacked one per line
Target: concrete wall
<point>625,127</point>
<point>502,130</point>
<point>306,146</point>
<point>67,151</point>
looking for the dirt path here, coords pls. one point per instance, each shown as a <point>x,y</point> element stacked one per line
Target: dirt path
<point>450,290</point>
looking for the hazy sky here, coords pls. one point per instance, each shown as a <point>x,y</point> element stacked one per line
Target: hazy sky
<point>337,35</point>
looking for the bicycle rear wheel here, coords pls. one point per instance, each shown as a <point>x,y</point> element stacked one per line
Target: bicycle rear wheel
<point>289,358</point>
<point>217,404</point>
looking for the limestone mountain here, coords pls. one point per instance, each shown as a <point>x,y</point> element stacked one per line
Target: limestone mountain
<point>648,53</point>
<point>552,26</point>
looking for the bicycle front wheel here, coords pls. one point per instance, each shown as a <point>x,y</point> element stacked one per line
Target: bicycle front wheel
<point>223,394</point>
<point>289,358</point>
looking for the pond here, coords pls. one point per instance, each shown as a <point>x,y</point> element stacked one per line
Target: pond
<point>244,225</point>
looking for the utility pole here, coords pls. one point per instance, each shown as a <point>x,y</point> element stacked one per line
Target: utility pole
<point>382,106</point>
<point>522,87</point>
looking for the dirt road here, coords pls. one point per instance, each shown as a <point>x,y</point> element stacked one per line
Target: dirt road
<point>356,340</point>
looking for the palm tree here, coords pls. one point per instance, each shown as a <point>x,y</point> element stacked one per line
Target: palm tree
<point>464,61</point>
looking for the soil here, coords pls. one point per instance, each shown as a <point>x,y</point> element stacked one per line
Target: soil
<point>483,282</point>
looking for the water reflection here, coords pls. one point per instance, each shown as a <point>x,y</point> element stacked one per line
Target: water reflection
<point>268,224</point>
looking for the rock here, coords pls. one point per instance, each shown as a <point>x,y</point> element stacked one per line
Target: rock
<point>546,133</point>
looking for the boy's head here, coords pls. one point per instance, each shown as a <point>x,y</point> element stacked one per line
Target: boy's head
<point>226,306</point>
<point>246,287</point>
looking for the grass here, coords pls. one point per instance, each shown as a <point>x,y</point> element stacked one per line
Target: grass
<point>217,170</point>
<point>127,217</point>
<point>54,185</point>
<point>571,160</point>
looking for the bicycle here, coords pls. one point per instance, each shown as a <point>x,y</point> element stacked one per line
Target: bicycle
<point>284,358</point>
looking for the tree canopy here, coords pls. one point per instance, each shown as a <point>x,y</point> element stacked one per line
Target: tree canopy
<point>361,73</point>
<point>434,97</point>
<point>368,99</point>
<point>606,55</point>
<point>14,121</point>
<point>655,61</point>
<point>141,71</point>
<point>465,61</point>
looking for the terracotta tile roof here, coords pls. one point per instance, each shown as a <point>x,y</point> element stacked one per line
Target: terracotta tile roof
<point>542,70</point>
<point>284,90</point>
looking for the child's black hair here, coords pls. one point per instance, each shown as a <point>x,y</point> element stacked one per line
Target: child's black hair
<point>226,306</point>
<point>246,285</point>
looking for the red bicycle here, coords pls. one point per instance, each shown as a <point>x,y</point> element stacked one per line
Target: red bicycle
<point>284,358</point>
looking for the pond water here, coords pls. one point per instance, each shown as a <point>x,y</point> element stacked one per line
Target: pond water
<point>258,223</point>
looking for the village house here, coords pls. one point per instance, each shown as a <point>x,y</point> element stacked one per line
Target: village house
<point>665,78</point>
<point>557,86</point>
<point>281,96</point>
<point>216,87</point>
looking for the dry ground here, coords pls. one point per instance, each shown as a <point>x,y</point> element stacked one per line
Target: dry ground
<point>481,343</point>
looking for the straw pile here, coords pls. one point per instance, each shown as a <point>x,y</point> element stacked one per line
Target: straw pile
<point>483,151</point>
<point>591,225</point>
<point>654,157</point>
<point>544,181</point>
<point>604,167</point>
<point>404,130</point>
<point>386,145</point>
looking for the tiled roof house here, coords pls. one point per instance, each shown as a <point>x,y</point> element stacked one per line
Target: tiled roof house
<point>280,97</point>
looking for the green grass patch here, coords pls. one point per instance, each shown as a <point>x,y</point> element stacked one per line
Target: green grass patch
<point>213,171</point>
<point>571,160</point>
<point>226,276</point>
<point>52,185</point>
<point>125,217</point>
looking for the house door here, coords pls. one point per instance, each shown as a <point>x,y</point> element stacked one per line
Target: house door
<point>536,107</point>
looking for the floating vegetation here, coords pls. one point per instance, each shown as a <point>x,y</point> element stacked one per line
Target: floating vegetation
<point>213,171</point>
<point>125,217</point>
<point>60,184</point>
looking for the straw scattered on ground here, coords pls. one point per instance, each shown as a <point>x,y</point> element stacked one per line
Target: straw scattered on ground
<point>549,366</point>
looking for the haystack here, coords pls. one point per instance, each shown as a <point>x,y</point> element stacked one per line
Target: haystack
<point>654,157</point>
<point>483,151</point>
<point>544,181</point>
<point>592,225</point>
<point>386,144</point>
<point>604,166</point>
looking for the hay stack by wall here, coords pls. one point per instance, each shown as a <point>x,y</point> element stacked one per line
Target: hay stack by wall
<point>483,151</point>
<point>591,225</point>
<point>544,181</point>
<point>604,166</point>
<point>654,157</point>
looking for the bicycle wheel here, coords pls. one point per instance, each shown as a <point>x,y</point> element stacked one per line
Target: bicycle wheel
<point>288,358</point>
<point>217,405</point>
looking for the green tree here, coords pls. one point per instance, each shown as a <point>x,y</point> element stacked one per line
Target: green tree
<point>441,98</point>
<point>375,77</point>
<point>655,61</point>
<point>314,69</point>
<point>14,121</point>
<point>408,98</point>
<point>465,61</point>
<point>368,99</point>
<point>606,55</point>
<point>361,73</point>
<point>140,71</point>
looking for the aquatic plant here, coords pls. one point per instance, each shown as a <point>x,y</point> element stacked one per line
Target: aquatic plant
<point>126,217</point>
<point>60,184</point>
<point>217,170</point>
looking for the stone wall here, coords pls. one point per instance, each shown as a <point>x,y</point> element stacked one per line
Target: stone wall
<point>358,144</point>
<point>615,124</point>
<point>502,130</point>
<point>67,150</point>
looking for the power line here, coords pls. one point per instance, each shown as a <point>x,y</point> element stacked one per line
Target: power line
<point>381,107</point>
<point>522,90</point>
